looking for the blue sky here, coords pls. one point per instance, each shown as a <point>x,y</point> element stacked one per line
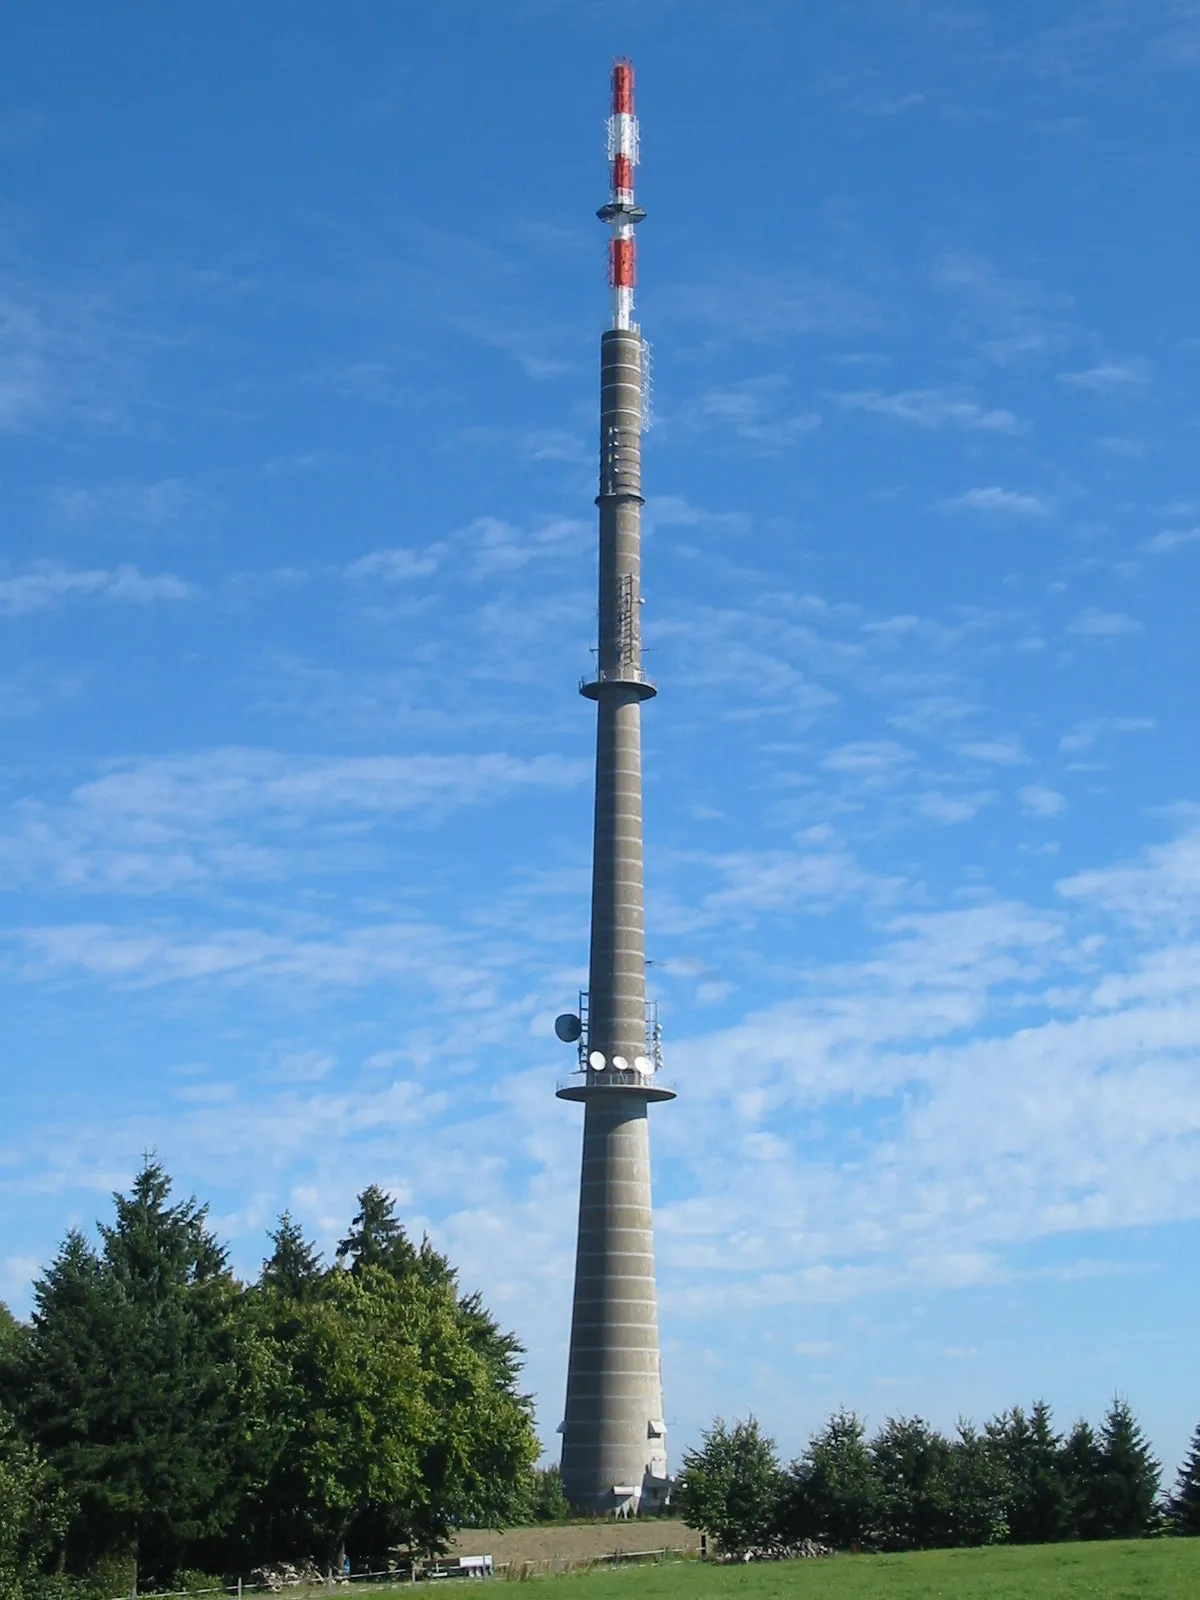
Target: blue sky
<point>299,309</point>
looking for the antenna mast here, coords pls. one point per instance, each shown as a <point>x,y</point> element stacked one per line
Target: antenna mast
<point>621,214</point>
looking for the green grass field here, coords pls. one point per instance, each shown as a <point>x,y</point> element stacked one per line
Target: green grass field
<point>1163,1569</point>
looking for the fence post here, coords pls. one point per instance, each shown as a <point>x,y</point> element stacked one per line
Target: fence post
<point>239,1589</point>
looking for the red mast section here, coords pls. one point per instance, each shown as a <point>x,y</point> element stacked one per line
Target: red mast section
<point>621,213</point>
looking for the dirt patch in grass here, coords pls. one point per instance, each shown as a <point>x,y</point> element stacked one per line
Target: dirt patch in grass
<point>577,1541</point>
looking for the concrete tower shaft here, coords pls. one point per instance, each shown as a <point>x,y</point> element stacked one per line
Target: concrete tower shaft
<point>614,1456</point>
<point>617,970</point>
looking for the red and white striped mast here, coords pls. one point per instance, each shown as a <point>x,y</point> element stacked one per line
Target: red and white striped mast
<point>621,213</point>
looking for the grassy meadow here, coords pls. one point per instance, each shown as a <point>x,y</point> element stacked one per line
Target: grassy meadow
<point>1162,1569</point>
<point>1117,1570</point>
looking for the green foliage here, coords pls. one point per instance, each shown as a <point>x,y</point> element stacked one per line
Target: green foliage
<point>547,1502</point>
<point>1080,1467</point>
<point>913,1470</point>
<point>32,1512</point>
<point>294,1266</point>
<point>188,1423</point>
<point>1126,1487</point>
<point>129,1377</point>
<point>1184,1506</point>
<point>979,1490</point>
<point>388,1404</point>
<point>832,1492</point>
<point>1040,1507</point>
<point>732,1486</point>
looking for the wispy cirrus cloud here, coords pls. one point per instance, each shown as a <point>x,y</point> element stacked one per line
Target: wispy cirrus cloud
<point>1110,377</point>
<point>45,585</point>
<point>1097,624</point>
<point>1039,800</point>
<point>754,411</point>
<point>932,409</point>
<point>166,824</point>
<point>138,508</point>
<point>1170,540</point>
<point>1004,502</point>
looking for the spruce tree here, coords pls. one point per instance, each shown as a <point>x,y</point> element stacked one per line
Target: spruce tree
<point>1185,1502</point>
<point>1129,1476</point>
<point>913,1464</point>
<point>294,1266</point>
<point>832,1493</point>
<point>377,1237</point>
<point>979,1490</point>
<point>129,1381</point>
<point>1039,1504</point>
<point>1080,1464</point>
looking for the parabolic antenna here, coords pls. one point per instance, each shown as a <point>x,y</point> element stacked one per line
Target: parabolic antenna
<point>642,1064</point>
<point>568,1027</point>
<point>596,1061</point>
<point>620,1064</point>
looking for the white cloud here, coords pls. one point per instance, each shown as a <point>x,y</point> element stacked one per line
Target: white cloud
<point>1041,801</point>
<point>1085,734</point>
<point>493,545</point>
<point>147,508</point>
<point>997,752</point>
<point>932,408</point>
<point>1008,501</point>
<point>754,411</point>
<point>173,822</point>
<point>1096,624</point>
<point>1110,377</point>
<point>396,565</point>
<point>1161,888</point>
<point>867,757</point>
<point>951,808</point>
<point>47,584</point>
<point>1171,539</point>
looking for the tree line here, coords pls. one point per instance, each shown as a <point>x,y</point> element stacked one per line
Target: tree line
<point>155,1409</point>
<point>909,1487</point>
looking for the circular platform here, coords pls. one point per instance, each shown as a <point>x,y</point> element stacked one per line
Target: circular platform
<point>594,1085</point>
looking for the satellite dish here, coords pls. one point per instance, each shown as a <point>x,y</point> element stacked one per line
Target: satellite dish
<point>620,1064</point>
<point>596,1061</point>
<point>568,1027</point>
<point>642,1064</point>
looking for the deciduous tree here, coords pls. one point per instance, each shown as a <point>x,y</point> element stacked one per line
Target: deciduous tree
<point>731,1487</point>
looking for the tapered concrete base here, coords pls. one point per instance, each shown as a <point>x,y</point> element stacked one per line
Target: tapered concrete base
<point>614,1455</point>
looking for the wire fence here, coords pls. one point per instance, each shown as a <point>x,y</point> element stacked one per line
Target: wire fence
<point>430,1572</point>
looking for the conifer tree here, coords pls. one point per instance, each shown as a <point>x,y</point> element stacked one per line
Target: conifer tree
<point>129,1380</point>
<point>979,1489</point>
<point>913,1464</point>
<point>1127,1486</point>
<point>294,1266</point>
<point>377,1237</point>
<point>1039,1509</point>
<point>832,1493</point>
<point>1080,1460</point>
<point>1185,1502</point>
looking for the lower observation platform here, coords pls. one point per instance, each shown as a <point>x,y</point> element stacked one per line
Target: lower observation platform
<point>622,678</point>
<point>592,1085</point>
